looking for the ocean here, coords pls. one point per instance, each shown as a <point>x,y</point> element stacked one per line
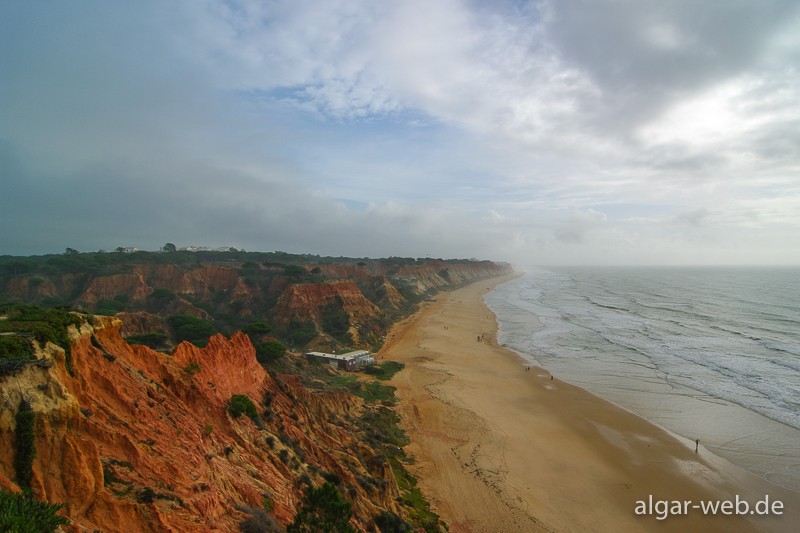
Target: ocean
<point>708,353</point>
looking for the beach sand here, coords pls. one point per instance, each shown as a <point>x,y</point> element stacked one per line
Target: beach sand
<point>502,448</point>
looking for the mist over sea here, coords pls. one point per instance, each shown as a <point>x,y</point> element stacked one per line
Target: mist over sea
<point>709,353</point>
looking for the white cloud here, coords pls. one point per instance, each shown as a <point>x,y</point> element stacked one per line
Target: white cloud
<point>585,131</point>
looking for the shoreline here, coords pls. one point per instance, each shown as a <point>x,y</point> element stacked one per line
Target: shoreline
<point>764,446</point>
<point>499,447</point>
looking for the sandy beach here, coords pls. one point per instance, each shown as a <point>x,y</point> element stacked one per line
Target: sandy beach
<point>500,447</point>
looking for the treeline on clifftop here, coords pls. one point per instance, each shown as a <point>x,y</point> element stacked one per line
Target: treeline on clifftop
<point>327,303</point>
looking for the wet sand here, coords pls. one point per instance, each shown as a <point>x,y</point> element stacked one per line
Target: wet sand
<point>502,448</point>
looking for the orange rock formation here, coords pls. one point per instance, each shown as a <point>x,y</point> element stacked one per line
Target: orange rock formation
<point>137,440</point>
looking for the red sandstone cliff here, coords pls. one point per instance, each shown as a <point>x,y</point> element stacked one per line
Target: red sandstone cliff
<point>137,440</point>
<point>308,302</point>
<point>371,292</point>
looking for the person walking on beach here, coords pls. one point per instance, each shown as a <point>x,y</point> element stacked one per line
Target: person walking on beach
<point>696,445</point>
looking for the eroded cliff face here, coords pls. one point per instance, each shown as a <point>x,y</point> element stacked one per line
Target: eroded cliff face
<point>433,275</point>
<point>137,440</point>
<point>371,297</point>
<point>371,293</point>
<point>309,302</point>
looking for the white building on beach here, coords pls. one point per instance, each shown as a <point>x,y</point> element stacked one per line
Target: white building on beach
<point>349,361</point>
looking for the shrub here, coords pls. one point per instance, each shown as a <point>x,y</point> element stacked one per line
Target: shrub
<point>162,294</point>
<point>258,521</point>
<point>240,404</point>
<point>108,307</point>
<point>192,368</point>
<point>301,333</point>
<point>160,298</point>
<point>283,455</point>
<point>15,347</point>
<point>257,328</point>
<point>190,328</point>
<point>294,271</point>
<point>24,446</point>
<point>145,495</point>
<point>151,340</point>
<point>332,478</point>
<point>336,321</point>
<point>269,352</point>
<point>388,522</point>
<point>44,325</point>
<point>22,514</point>
<point>323,509</point>
<point>385,371</point>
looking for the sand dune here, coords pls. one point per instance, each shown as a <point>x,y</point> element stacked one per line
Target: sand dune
<point>502,448</point>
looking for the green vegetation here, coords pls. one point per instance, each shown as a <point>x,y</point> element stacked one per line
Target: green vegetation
<point>336,322</point>
<point>301,333</point>
<point>29,321</point>
<point>240,404</point>
<point>192,368</point>
<point>159,299</point>
<point>190,328</point>
<point>152,340</point>
<point>371,391</point>
<point>259,521</point>
<point>112,307</point>
<point>20,513</point>
<point>382,431</point>
<point>323,509</point>
<point>388,522</point>
<point>420,513</point>
<point>294,271</point>
<point>384,371</point>
<point>162,294</point>
<point>24,445</point>
<point>269,352</point>
<point>15,347</point>
<point>257,328</point>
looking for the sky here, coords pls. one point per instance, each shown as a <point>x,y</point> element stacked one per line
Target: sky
<point>592,132</point>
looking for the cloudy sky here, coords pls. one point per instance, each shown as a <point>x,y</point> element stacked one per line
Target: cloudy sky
<point>541,132</point>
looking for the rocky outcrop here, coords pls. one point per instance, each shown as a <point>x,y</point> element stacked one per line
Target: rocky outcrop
<point>136,440</point>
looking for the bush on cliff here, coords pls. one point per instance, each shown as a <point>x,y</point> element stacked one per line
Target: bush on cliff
<point>44,325</point>
<point>301,333</point>
<point>190,328</point>
<point>269,352</point>
<point>151,340</point>
<point>257,328</point>
<point>24,447</point>
<point>259,521</point>
<point>22,514</point>
<point>240,404</point>
<point>323,509</point>
<point>388,522</point>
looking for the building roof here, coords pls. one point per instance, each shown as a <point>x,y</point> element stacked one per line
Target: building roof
<point>349,356</point>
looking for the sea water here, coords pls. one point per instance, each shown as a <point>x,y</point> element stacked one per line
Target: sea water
<point>708,353</point>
